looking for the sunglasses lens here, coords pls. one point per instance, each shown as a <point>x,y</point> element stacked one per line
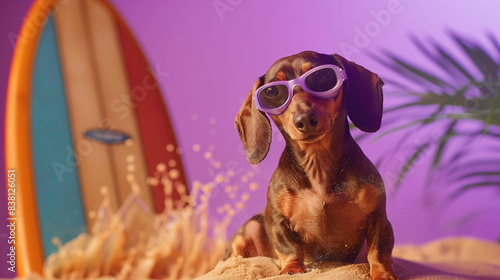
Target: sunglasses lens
<point>322,80</point>
<point>273,97</point>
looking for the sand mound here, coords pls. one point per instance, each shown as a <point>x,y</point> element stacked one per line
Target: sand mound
<point>452,258</point>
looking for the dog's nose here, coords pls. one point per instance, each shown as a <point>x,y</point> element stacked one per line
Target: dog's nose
<point>306,122</point>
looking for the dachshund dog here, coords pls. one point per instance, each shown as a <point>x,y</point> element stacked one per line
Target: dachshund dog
<point>325,198</point>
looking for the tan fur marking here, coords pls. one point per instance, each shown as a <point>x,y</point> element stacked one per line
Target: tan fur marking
<point>239,244</point>
<point>366,198</point>
<point>286,202</point>
<point>291,263</point>
<point>306,67</point>
<point>281,76</point>
<point>379,264</point>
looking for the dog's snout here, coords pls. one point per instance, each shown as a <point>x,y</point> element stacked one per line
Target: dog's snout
<point>306,121</point>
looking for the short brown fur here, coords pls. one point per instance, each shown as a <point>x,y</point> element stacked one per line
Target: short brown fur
<point>325,198</point>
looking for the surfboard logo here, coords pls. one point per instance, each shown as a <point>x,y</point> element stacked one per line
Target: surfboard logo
<point>107,136</point>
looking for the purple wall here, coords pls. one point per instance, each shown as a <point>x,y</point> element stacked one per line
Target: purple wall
<point>11,16</point>
<point>213,51</point>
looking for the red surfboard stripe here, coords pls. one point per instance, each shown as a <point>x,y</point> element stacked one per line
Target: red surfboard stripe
<point>155,126</point>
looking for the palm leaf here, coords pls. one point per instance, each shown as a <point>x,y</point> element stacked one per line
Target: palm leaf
<point>416,72</point>
<point>494,41</point>
<point>406,105</point>
<point>407,166</point>
<point>479,174</point>
<point>480,115</point>
<point>464,167</point>
<point>452,99</point>
<point>451,63</point>
<point>443,142</point>
<point>493,111</point>
<point>443,59</point>
<point>485,64</point>
<point>451,165</point>
<point>484,184</point>
<point>395,83</point>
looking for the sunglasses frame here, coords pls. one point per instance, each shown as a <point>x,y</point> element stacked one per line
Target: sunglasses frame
<point>301,81</point>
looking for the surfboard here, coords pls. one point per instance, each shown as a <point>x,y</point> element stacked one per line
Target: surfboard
<point>84,113</point>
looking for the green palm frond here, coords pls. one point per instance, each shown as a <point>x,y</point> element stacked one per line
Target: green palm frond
<point>456,96</point>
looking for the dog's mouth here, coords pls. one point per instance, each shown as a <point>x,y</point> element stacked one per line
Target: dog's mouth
<point>312,138</point>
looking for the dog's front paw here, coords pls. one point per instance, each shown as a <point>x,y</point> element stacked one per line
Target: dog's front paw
<point>383,275</point>
<point>293,267</point>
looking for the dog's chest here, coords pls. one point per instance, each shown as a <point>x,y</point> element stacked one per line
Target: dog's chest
<point>326,218</point>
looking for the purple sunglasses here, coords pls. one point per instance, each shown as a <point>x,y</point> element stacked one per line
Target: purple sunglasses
<point>322,82</point>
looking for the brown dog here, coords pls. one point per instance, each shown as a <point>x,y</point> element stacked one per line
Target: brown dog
<point>325,197</point>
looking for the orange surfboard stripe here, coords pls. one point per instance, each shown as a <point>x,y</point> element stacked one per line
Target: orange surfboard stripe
<point>18,139</point>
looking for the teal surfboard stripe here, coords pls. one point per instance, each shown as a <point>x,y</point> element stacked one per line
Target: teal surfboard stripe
<point>60,210</point>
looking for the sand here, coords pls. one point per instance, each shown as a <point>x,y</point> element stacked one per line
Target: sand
<point>132,244</point>
<point>451,258</point>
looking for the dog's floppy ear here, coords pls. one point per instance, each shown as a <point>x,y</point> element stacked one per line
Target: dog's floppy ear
<point>254,128</point>
<point>364,95</point>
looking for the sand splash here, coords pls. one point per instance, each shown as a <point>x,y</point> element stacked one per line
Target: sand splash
<point>183,242</point>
